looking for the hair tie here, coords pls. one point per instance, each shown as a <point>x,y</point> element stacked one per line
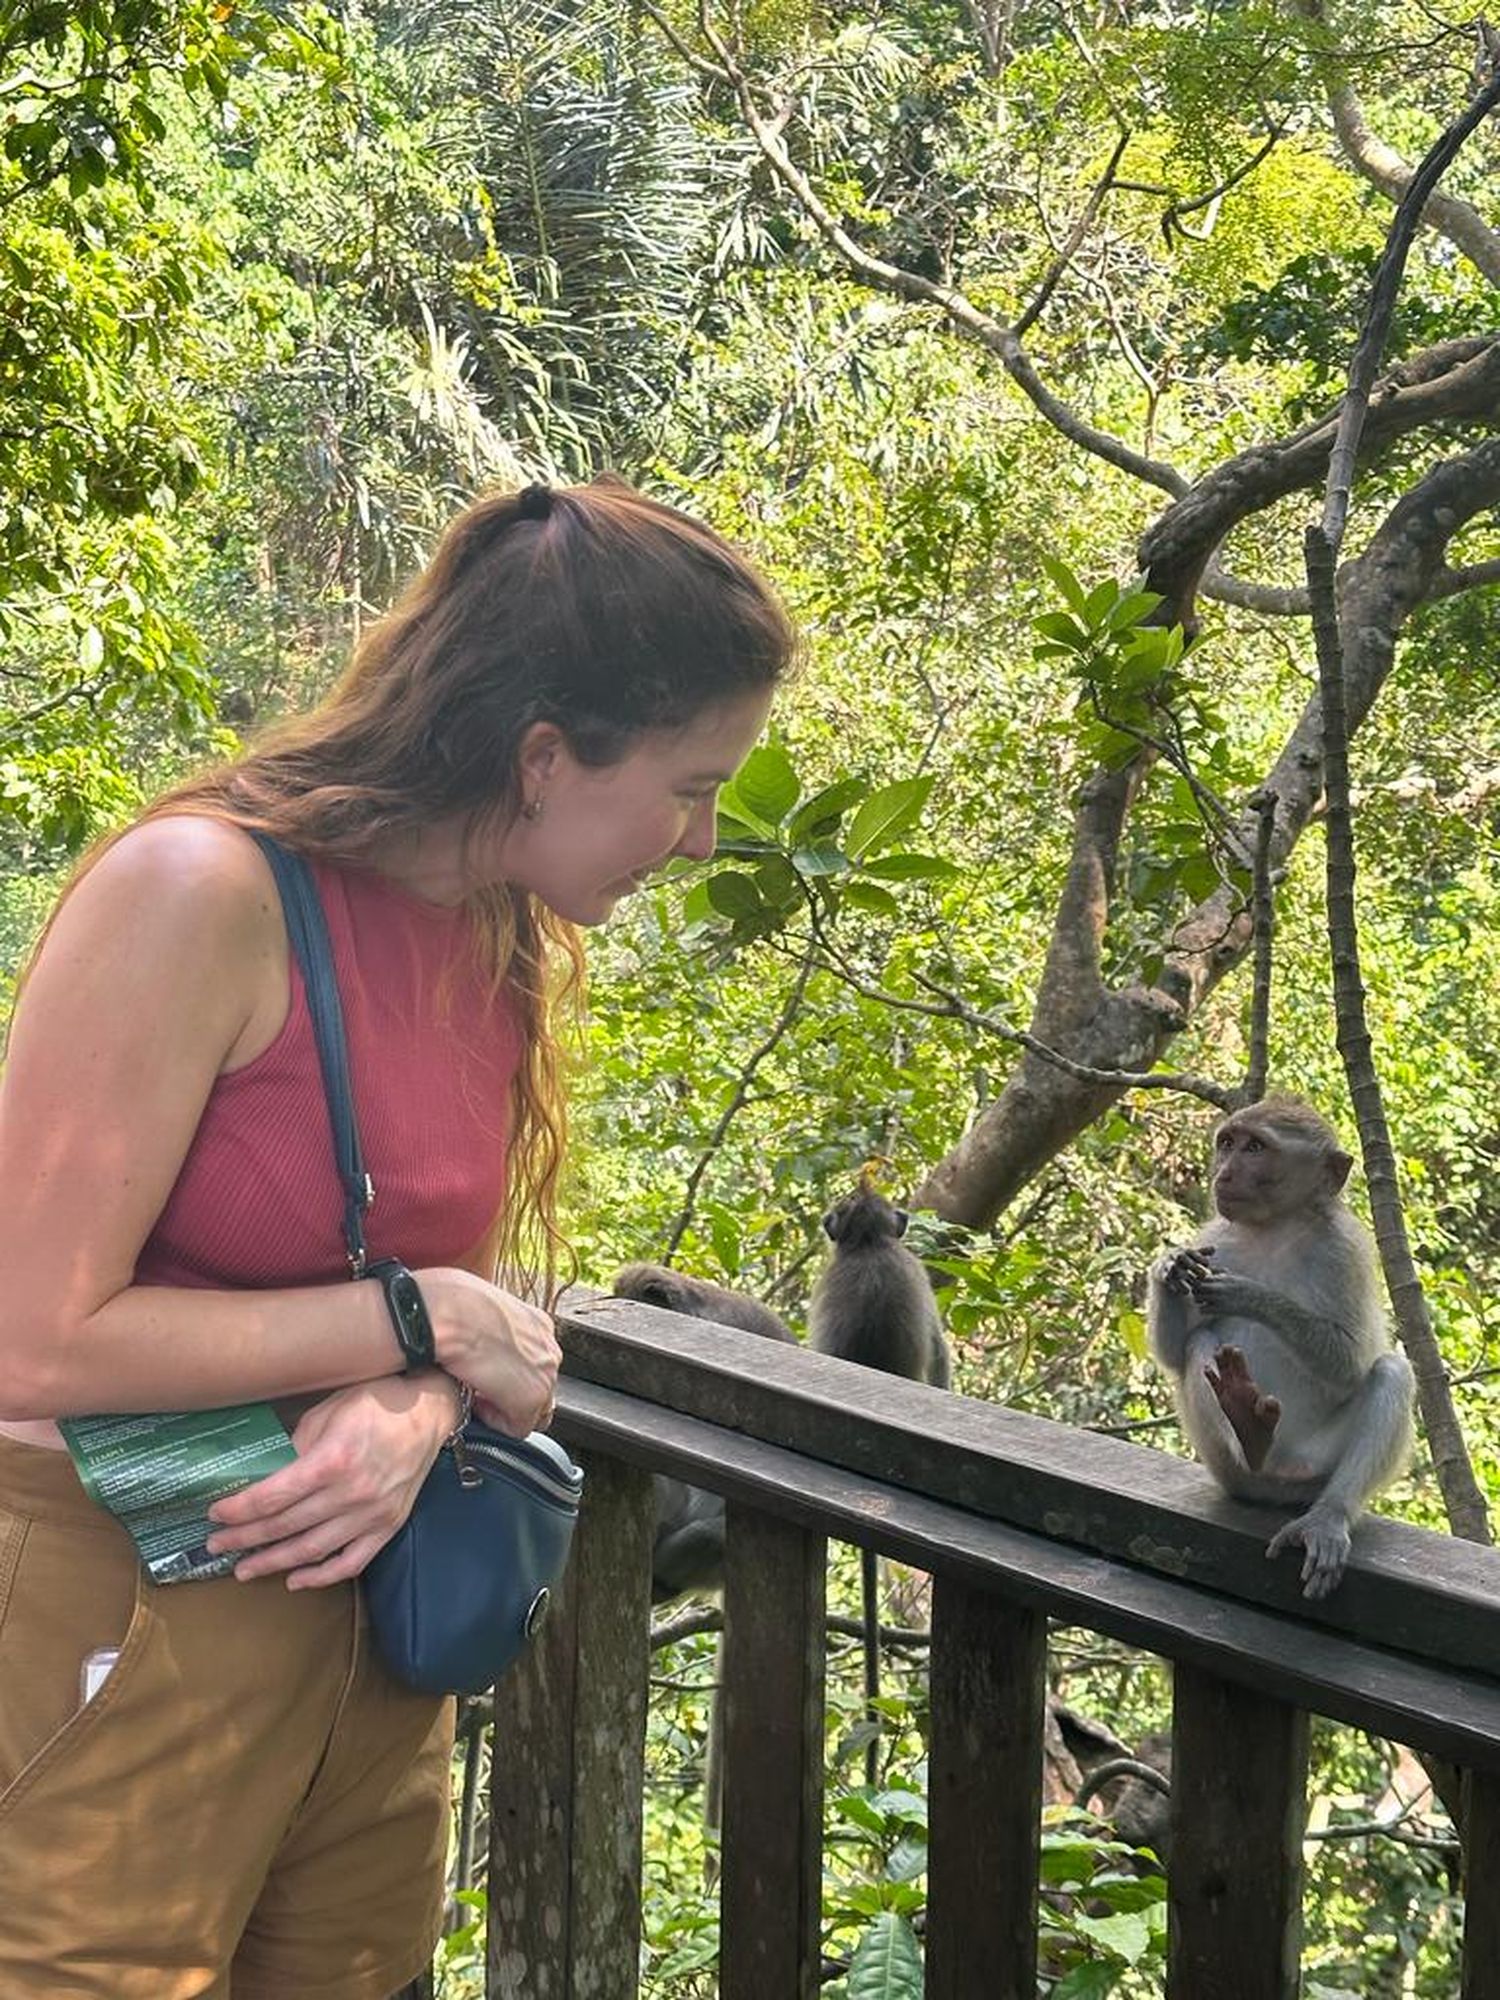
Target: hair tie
<point>535,502</point>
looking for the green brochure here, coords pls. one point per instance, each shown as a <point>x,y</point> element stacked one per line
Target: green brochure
<point>159,1475</point>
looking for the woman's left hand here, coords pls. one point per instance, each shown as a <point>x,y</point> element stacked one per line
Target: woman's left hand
<point>362,1454</point>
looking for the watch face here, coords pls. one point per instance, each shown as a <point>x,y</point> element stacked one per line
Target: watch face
<point>408,1302</point>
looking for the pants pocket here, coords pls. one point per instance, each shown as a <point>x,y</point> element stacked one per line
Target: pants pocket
<point>82,1718</point>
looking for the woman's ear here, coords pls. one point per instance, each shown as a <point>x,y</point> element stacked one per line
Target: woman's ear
<point>538,755</point>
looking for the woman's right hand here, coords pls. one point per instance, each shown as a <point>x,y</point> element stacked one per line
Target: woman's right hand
<point>502,1346</point>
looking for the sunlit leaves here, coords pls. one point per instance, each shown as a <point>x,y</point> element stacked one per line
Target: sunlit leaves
<point>836,849</point>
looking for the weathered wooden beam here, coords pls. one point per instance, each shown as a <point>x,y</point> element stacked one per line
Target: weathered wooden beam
<point>1426,1594</point>
<point>1234,1889</point>
<point>1481,1973</point>
<point>1454,1714</point>
<point>984,1795</point>
<point>771,1882</point>
<point>567,1766</point>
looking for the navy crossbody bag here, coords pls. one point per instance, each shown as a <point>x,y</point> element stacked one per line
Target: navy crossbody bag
<point>456,1593</point>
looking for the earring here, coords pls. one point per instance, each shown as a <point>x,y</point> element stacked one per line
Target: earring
<point>532,809</point>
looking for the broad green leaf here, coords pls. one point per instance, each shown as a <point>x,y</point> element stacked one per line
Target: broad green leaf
<point>887,1963</point>
<point>776,879</point>
<point>859,1811</point>
<point>767,784</point>
<point>697,905</point>
<point>1068,587</point>
<point>823,811</point>
<point>870,896</point>
<point>911,868</point>
<point>1066,1860</point>
<point>821,859</point>
<point>1062,630</point>
<point>1127,1934</point>
<point>1132,608</point>
<point>887,814</point>
<point>1088,1982</point>
<point>733,895</point>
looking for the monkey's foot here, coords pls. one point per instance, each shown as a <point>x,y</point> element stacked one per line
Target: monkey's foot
<point>1253,1416</point>
<point>1324,1536</point>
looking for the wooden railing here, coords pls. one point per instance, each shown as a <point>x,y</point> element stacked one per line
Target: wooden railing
<point>1019,1520</point>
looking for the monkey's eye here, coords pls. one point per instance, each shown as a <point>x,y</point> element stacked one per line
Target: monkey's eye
<point>1254,1145</point>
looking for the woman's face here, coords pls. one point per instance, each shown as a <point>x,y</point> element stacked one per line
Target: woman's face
<point>601,831</point>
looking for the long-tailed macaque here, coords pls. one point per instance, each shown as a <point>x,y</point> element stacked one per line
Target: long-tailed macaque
<point>1272,1329</point>
<point>874,1304</point>
<point>687,1551</point>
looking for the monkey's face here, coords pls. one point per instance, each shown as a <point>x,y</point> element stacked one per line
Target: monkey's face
<point>1263,1173</point>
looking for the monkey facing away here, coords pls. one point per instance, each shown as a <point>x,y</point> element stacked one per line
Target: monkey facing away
<point>687,1550</point>
<point>873,1304</point>
<point>1272,1329</point>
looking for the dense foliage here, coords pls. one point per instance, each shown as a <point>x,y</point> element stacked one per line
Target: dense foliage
<point>284,284</point>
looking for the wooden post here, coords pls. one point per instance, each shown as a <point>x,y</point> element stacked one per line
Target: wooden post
<point>1481,1975</point>
<point>568,1767</point>
<point>772,1880</point>
<point>984,1795</point>
<point>1239,1776</point>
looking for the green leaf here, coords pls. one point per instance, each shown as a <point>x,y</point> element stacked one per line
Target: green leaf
<point>1088,1982</point>
<point>1127,1934</point>
<point>767,785</point>
<point>821,860</point>
<point>1063,631</point>
<point>1067,585</point>
<point>1133,1332</point>
<point>870,896</point>
<point>1134,606</point>
<point>912,868</point>
<point>777,881</point>
<point>733,895</point>
<point>859,1811</point>
<point>887,1963</point>
<point>887,814</point>
<point>822,812</point>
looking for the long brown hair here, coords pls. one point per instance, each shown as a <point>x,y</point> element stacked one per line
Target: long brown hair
<point>592,607</point>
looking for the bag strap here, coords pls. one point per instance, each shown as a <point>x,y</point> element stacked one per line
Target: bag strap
<point>307,932</point>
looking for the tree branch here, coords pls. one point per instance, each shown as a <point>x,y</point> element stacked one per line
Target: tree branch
<point>1384,168</point>
<point>999,338</point>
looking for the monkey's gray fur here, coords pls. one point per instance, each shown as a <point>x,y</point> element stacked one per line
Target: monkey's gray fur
<point>687,1553</point>
<point>1272,1329</point>
<point>873,1303</point>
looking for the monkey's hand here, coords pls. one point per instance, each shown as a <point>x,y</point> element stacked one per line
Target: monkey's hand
<point>1253,1416</point>
<point>1180,1270</point>
<point>1323,1532</point>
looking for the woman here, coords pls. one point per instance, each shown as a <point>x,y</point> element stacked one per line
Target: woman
<point>246,1804</point>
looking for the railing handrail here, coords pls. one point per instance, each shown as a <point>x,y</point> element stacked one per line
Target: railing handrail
<point>1151,1518</point>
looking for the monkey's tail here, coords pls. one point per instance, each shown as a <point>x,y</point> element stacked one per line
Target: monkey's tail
<point>869,1570</point>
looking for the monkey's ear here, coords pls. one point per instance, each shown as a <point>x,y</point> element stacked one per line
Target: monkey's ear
<point>1339,1166</point>
<point>902,1218</point>
<point>831,1225</point>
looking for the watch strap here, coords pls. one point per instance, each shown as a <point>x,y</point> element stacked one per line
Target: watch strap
<point>408,1311</point>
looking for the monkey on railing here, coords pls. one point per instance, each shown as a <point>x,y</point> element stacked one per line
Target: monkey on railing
<point>873,1305</point>
<point>687,1550</point>
<point>1272,1329</point>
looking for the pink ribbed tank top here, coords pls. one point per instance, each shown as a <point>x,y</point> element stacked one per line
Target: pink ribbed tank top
<point>432,1058</point>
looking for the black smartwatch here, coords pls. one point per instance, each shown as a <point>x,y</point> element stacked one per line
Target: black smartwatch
<point>408,1310</point>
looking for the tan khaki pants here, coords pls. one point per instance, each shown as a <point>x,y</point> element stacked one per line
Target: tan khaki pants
<point>251,1808</point>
